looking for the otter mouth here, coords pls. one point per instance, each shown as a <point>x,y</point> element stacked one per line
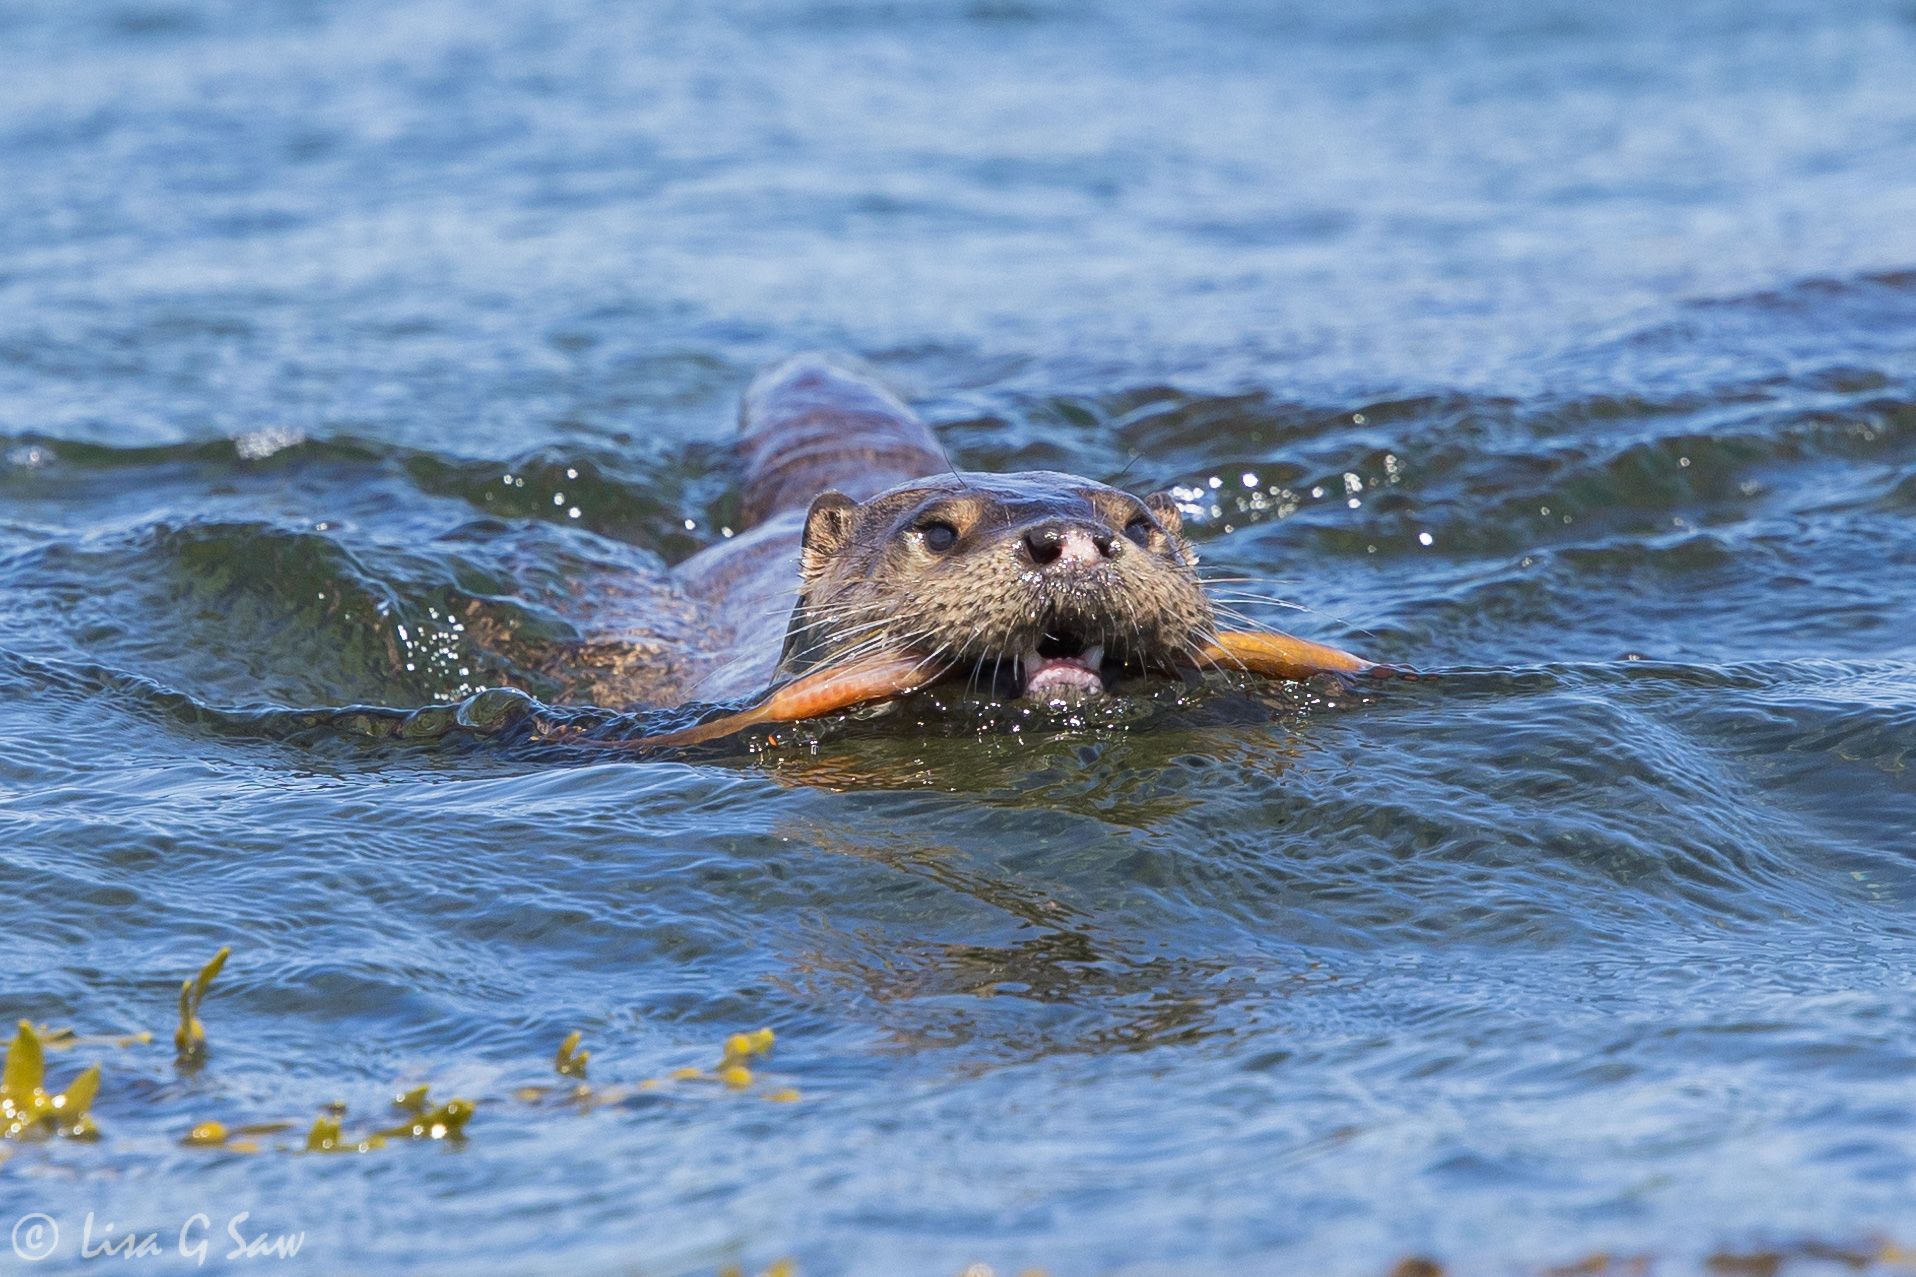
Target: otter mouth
<point>1062,665</point>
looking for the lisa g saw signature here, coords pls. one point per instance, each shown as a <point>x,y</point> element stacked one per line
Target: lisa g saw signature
<point>38,1236</point>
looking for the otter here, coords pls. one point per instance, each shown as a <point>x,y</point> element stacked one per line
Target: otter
<point>868,567</point>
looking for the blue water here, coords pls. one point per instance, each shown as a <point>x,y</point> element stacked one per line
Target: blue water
<point>1567,349</point>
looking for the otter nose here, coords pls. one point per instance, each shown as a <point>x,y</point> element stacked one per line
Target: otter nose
<point>1050,543</point>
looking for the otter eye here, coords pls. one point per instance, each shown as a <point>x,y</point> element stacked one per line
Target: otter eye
<point>1139,530</point>
<point>938,536</point>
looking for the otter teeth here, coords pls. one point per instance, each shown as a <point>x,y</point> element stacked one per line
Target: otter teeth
<point>1062,677</point>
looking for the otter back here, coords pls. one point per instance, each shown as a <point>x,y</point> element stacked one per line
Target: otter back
<point>808,425</point>
<point>816,422</point>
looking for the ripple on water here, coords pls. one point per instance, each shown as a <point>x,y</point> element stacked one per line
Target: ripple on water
<point>321,324</point>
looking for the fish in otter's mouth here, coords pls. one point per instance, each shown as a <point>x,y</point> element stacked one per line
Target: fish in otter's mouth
<point>1038,584</point>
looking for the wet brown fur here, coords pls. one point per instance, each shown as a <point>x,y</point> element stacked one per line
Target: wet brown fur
<point>839,475</point>
<point>871,580</point>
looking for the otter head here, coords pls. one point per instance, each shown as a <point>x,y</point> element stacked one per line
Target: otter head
<point>1051,581</point>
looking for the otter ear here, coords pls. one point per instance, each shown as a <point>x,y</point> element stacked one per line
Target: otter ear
<point>1165,508</point>
<point>828,528</point>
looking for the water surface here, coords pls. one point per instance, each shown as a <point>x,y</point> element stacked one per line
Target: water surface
<point>352,356</point>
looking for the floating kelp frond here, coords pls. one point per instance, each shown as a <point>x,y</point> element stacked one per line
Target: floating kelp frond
<point>189,1040</point>
<point>739,1048</point>
<point>67,1039</point>
<point>27,1110</point>
<point>237,1139</point>
<point>326,1136</point>
<point>208,1134</point>
<point>426,1122</point>
<point>571,1061</point>
<point>731,1072</point>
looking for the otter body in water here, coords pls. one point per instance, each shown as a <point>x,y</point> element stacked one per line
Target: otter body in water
<point>868,568</point>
